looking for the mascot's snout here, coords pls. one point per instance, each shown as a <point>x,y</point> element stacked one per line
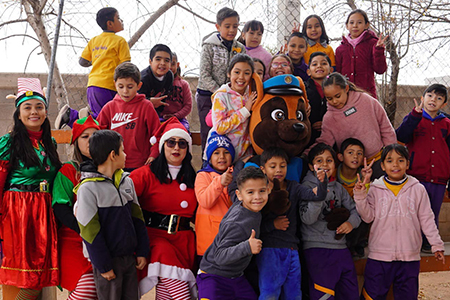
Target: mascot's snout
<point>299,127</point>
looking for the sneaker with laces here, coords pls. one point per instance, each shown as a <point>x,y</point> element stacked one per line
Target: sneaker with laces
<point>63,117</point>
<point>83,113</point>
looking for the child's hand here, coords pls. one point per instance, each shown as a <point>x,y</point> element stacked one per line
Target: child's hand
<point>283,49</point>
<point>381,41</point>
<point>140,262</point>
<point>109,275</point>
<point>157,101</point>
<point>296,27</point>
<point>255,244</point>
<point>359,185</point>
<point>317,126</point>
<point>149,160</point>
<point>226,177</point>
<point>418,107</point>
<point>251,99</point>
<point>345,228</point>
<point>440,256</point>
<point>320,174</point>
<point>367,171</point>
<point>168,116</point>
<point>281,223</point>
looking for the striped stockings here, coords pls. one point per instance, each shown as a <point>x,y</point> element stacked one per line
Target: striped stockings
<point>172,289</point>
<point>85,289</point>
<point>28,294</point>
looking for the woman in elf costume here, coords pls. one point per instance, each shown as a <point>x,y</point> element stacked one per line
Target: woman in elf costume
<point>28,165</point>
<point>76,270</point>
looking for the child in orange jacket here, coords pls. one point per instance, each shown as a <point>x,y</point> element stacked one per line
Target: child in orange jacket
<point>211,190</point>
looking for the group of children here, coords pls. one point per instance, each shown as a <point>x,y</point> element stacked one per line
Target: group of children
<point>142,220</point>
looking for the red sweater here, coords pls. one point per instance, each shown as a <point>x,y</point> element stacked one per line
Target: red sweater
<point>360,63</point>
<point>137,122</point>
<point>428,142</point>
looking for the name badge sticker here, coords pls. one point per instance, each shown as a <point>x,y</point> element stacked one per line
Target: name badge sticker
<point>350,111</point>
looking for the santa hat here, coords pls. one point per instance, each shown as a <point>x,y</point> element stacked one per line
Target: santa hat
<point>168,129</point>
<point>81,125</point>
<point>218,141</point>
<point>29,88</point>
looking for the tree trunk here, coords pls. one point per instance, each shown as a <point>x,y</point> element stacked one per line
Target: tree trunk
<point>391,104</point>
<point>36,22</point>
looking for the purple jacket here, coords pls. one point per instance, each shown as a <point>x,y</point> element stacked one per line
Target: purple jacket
<point>360,63</point>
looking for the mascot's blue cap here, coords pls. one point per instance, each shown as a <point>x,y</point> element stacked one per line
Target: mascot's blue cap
<point>283,85</point>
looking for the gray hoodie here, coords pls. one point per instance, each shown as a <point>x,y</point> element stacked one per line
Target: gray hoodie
<point>214,61</point>
<point>315,233</point>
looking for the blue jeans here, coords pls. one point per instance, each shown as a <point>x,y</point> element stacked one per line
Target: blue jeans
<point>279,274</point>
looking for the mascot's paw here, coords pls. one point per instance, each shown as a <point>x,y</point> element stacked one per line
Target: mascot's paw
<point>278,199</point>
<point>335,219</point>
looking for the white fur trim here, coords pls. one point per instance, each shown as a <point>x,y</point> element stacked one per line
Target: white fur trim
<point>181,133</point>
<point>157,269</point>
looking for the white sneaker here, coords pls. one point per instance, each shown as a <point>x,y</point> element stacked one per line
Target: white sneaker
<point>83,113</point>
<point>63,117</point>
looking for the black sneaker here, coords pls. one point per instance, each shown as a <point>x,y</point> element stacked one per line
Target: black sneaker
<point>63,117</point>
<point>426,249</point>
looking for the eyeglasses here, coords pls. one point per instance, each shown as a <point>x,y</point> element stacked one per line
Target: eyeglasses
<point>181,143</point>
<point>277,64</point>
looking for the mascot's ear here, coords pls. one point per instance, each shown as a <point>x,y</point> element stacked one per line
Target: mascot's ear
<point>257,85</point>
<point>302,86</point>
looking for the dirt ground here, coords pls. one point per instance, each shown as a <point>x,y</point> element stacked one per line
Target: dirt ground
<point>433,286</point>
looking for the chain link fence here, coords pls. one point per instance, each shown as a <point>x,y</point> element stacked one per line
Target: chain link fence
<point>417,30</point>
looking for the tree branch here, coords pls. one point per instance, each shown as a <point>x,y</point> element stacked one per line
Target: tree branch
<point>195,14</point>
<point>25,35</point>
<point>165,7</point>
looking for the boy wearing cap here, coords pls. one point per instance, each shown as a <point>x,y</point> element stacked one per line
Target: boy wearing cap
<point>211,189</point>
<point>131,115</point>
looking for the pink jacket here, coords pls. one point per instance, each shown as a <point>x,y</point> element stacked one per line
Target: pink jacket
<point>362,118</point>
<point>262,54</point>
<point>360,63</point>
<point>398,221</point>
<point>213,203</point>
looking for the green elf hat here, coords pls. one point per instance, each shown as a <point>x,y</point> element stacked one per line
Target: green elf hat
<point>81,125</point>
<point>29,88</point>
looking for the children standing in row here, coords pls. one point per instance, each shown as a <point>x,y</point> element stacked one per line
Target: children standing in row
<point>314,29</point>
<point>232,104</point>
<point>426,133</point>
<point>329,262</point>
<point>361,53</point>
<point>217,51</point>
<point>359,114</point>
<point>399,208</point>
<point>278,262</point>
<point>131,115</point>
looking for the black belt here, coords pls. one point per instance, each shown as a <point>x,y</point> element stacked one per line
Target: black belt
<point>171,223</point>
<point>23,187</point>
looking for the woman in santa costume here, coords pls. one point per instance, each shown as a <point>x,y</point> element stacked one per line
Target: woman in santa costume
<point>167,198</point>
<point>28,165</point>
<point>76,270</point>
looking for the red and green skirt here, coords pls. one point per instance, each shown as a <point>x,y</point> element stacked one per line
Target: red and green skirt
<point>29,234</point>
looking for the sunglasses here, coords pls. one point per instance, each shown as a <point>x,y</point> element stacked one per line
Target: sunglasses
<point>182,144</point>
<point>277,64</point>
